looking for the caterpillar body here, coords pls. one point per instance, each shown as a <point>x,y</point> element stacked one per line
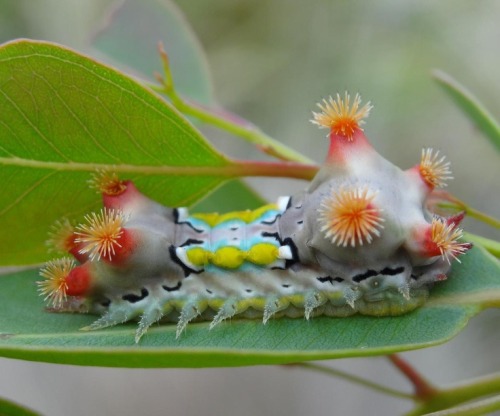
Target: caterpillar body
<point>358,239</point>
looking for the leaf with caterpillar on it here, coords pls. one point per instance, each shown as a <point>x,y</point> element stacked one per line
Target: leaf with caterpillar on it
<point>28,332</point>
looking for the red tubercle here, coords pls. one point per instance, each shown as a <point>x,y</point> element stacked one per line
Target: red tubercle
<point>456,219</point>
<point>73,248</point>
<point>104,236</point>
<point>343,148</point>
<point>440,238</point>
<point>122,249</point>
<point>429,248</point>
<point>344,119</point>
<point>79,281</point>
<point>125,201</point>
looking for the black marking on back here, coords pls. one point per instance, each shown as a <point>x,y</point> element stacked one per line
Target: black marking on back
<point>295,252</point>
<point>286,242</point>
<point>362,276</point>
<point>133,298</point>
<point>289,203</point>
<point>173,288</point>
<point>191,241</point>
<point>270,222</point>
<point>175,213</point>
<point>326,279</point>
<point>268,234</point>
<point>106,302</point>
<point>392,272</point>
<point>300,222</point>
<point>176,220</point>
<point>187,270</point>
<point>387,271</point>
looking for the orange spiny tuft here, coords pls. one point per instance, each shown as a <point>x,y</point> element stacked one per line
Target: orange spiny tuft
<point>62,236</point>
<point>340,117</point>
<point>101,235</point>
<point>348,217</point>
<point>445,237</point>
<point>434,170</point>
<point>54,286</point>
<point>108,183</point>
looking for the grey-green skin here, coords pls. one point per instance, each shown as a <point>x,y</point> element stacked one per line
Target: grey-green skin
<point>316,277</point>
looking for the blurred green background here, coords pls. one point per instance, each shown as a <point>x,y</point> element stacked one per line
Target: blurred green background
<point>271,61</point>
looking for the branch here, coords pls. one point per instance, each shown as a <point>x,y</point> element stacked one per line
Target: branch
<point>223,120</point>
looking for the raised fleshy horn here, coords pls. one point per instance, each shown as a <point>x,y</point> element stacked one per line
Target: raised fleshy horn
<point>446,237</point>
<point>441,238</point>
<point>342,118</point>
<point>349,217</point>
<point>62,240</point>
<point>53,286</point>
<point>108,183</point>
<point>434,169</point>
<point>104,236</point>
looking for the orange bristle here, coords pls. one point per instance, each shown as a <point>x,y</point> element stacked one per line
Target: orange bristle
<point>100,237</point>
<point>445,237</point>
<point>348,217</point>
<point>434,170</point>
<point>62,236</point>
<point>342,118</point>
<point>108,183</point>
<point>54,286</point>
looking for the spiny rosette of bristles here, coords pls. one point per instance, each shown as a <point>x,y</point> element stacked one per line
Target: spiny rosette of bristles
<point>53,286</point>
<point>61,236</point>
<point>349,217</point>
<point>100,236</point>
<point>107,182</point>
<point>340,116</point>
<point>446,237</point>
<point>435,170</point>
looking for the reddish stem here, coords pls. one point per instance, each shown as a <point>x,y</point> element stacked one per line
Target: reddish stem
<point>422,388</point>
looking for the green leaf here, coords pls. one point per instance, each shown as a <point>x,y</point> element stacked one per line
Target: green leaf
<point>129,38</point>
<point>8,408</point>
<point>63,116</point>
<point>234,195</point>
<point>28,332</point>
<point>471,106</point>
<point>131,35</point>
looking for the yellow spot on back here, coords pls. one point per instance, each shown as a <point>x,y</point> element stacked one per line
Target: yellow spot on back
<point>230,257</point>
<point>248,216</point>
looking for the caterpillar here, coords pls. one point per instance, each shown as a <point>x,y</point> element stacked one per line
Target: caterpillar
<point>358,239</point>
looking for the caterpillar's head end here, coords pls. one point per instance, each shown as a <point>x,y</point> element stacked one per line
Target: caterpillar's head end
<point>341,117</point>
